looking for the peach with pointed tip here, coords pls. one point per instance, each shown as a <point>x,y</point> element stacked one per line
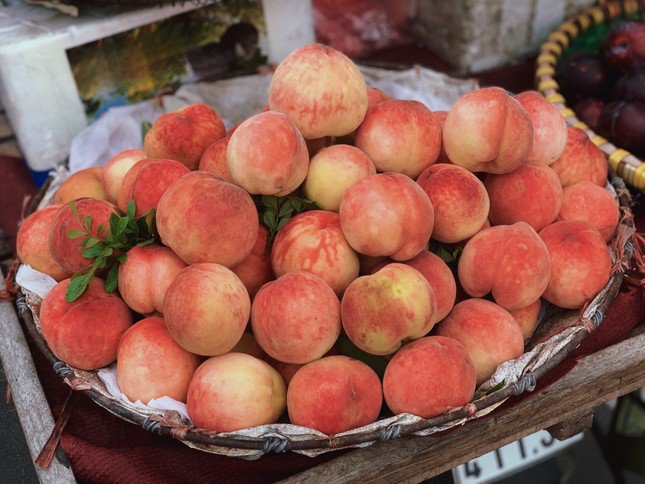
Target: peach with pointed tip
<point>115,170</point>
<point>527,318</point>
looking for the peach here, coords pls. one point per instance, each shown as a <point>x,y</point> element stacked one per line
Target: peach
<point>376,96</point>
<point>32,243</point>
<point>590,203</point>
<point>581,160</point>
<point>334,394</point>
<point>400,136</point>
<point>214,160</point>
<point>459,200</point>
<point>549,128</point>
<point>532,194</point>
<point>85,333</point>
<point>81,184</point>
<point>296,318</point>
<point>147,181</point>
<point>332,171</point>
<point>488,332</point>
<point>321,90</point>
<point>184,135</point>
<point>313,242</point>
<point>115,170</point>
<point>580,263</point>
<point>67,251</point>
<point>441,116</point>
<point>145,275</point>
<point>527,318</point>
<point>235,391</point>
<point>151,365</point>
<point>488,130</point>
<point>206,308</point>
<point>386,215</point>
<point>267,155</point>
<point>381,311</point>
<point>248,344</point>
<point>255,271</point>
<point>428,377</point>
<point>204,219</point>
<point>509,261</point>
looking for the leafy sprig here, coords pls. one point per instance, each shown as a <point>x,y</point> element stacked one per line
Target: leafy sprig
<point>108,249</point>
<point>278,211</point>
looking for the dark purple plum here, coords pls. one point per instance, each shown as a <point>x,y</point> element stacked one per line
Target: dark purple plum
<point>630,87</point>
<point>583,75</point>
<point>623,48</point>
<point>623,122</point>
<point>588,110</point>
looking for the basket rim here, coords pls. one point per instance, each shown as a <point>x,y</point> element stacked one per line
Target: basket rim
<point>627,165</point>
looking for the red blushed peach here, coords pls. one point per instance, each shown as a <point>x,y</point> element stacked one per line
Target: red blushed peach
<point>321,90</point>
<point>441,116</point>
<point>590,203</point>
<point>334,394</point>
<point>115,170</point>
<point>255,271</point>
<point>214,160</point>
<point>151,365</point>
<point>374,97</point>
<point>204,219</point>
<point>387,215</point>
<point>82,184</point>
<point>527,318</point>
<point>393,305</point>
<point>487,130</point>
<point>313,242</point>
<point>429,377</point>
<point>487,331</point>
<point>67,251</point>
<point>85,333</point>
<point>530,194</point>
<point>400,136</point>
<point>549,128</point>
<point>184,135</point>
<point>267,155</point>
<point>332,171</point>
<point>32,243</point>
<point>206,308</point>
<point>145,275</point>
<point>247,344</point>
<point>147,181</point>
<point>580,263</point>
<point>296,318</point>
<point>581,160</point>
<point>459,200</point>
<point>235,391</point>
<point>509,261</point>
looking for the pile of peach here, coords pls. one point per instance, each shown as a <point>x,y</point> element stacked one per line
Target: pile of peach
<point>241,334</point>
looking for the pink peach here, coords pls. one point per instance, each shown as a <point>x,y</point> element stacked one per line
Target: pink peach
<point>590,203</point>
<point>255,271</point>
<point>81,184</point>
<point>527,318</point>
<point>214,160</point>
<point>581,160</point>
<point>115,170</point>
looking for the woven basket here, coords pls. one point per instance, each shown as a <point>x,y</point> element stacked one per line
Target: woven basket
<point>625,164</point>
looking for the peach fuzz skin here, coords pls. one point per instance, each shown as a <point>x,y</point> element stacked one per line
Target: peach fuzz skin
<point>255,271</point>
<point>32,243</point>
<point>184,135</point>
<point>145,276</point>
<point>82,184</point>
<point>459,200</point>
<point>214,160</point>
<point>487,331</point>
<point>387,215</point>
<point>151,365</point>
<point>588,202</point>
<point>313,242</point>
<point>394,305</point>
<point>441,116</point>
<point>400,136</point>
<point>204,219</point>
<point>530,194</point>
<point>288,326</point>
<point>580,263</point>
<point>235,391</point>
<point>581,160</point>
<point>374,97</point>
<point>321,90</point>
<point>511,261</point>
<point>332,171</point>
<point>429,377</point>
<point>334,394</point>
<point>488,130</point>
<point>85,333</point>
<point>115,170</point>
<point>527,318</point>
<point>206,309</point>
<point>267,155</point>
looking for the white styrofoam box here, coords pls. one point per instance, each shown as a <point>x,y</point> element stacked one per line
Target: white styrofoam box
<point>37,88</point>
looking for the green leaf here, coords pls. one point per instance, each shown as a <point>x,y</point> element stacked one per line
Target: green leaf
<point>287,208</point>
<point>72,205</point>
<point>120,227</point>
<point>122,257</point>
<point>296,203</point>
<point>444,255</point>
<point>146,242</point>
<point>132,208</point>
<point>281,223</point>
<point>269,219</point>
<point>114,221</point>
<point>145,127</point>
<point>270,202</point>
<point>93,252</point>
<point>77,286</point>
<point>112,279</point>
<point>89,241</point>
<point>75,234</point>
<point>101,228</point>
<point>88,222</point>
